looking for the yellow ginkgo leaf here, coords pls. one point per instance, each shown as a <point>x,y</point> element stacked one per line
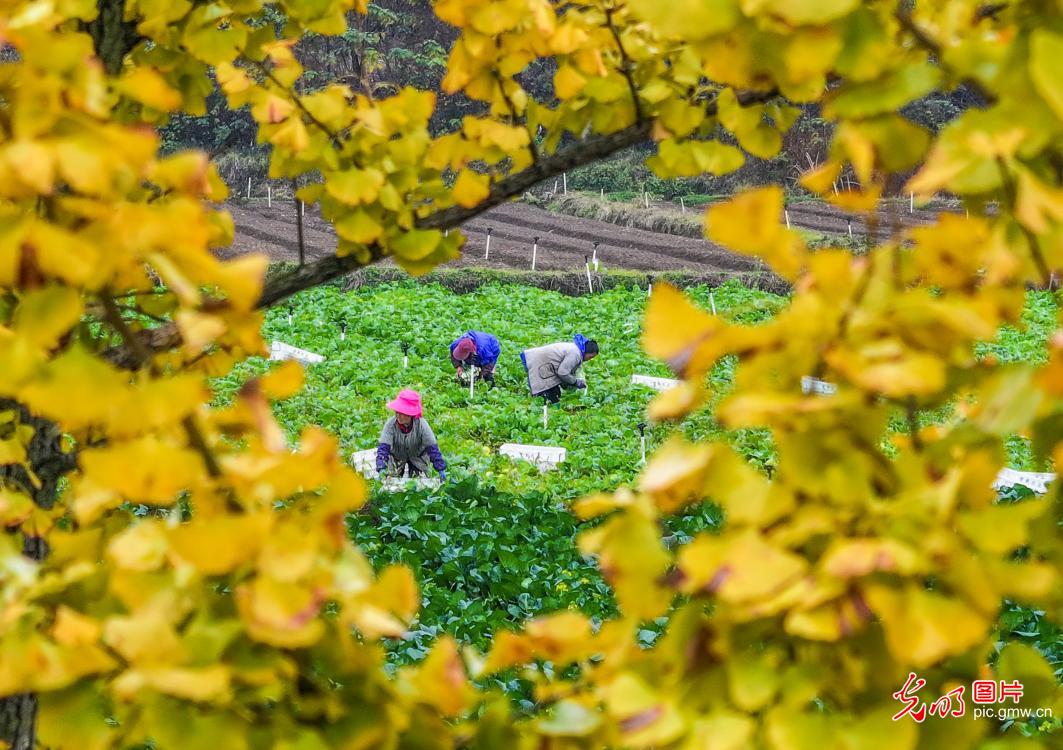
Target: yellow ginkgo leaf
<point>280,614</point>
<point>470,189</point>
<point>359,226</point>
<point>751,224</point>
<point>923,627</point>
<point>688,19</point>
<point>148,87</point>
<point>355,186</point>
<point>675,475</point>
<point>218,545</point>
<point>679,333</point>
<point>440,680</point>
<point>72,628</point>
<point>203,684</point>
<point>742,568</point>
<point>416,244</point>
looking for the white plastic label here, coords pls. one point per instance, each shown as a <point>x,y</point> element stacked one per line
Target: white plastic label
<point>1036,481</point>
<point>282,351</point>
<point>657,384</point>
<point>822,387</point>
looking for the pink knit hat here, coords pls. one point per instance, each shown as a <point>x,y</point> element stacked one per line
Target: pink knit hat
<point>408,402</point>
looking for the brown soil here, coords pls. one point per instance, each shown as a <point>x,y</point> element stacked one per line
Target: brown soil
<point>823,217</point>
<point>564,241</point>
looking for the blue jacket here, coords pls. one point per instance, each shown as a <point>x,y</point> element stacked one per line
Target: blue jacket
<point>487,348</point>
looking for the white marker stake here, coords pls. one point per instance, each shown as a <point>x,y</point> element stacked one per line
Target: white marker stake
<point>682,204</point>
<point>555,187</point>
<point>487,247</point>
<point>649,289</point>
<point>603,194</point>
<point>787,215</point>
<point>446,232</point>
<point>646,199</point>
<point>850,222</point>
<point>535,251</point>
<point>269,196</point>
<point>712,301</point>
<point>594,257</point>
<point>249,188</point>
<point>587,266</point>
<point>302,208</point>
<point>911,203</point>
<point>546,414</point>
<point>472,382</point>
<point>642,446</point>
<point>564,182</point>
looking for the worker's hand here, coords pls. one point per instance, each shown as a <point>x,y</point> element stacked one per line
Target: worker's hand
<point>489,378</point>
<point>442,476</point>
<point>581,384</point>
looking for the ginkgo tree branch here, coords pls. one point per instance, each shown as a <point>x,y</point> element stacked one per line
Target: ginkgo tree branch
<point>585,151</point>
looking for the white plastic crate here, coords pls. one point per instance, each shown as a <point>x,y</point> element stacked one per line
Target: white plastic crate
<point>1036,481</point>
<point>364,462</point>
<point>814,385</point>
<point>278,350</point>
<point>657,384</point>
<point>543,456</point>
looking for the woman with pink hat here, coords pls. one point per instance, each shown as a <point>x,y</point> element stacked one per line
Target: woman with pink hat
<point>407,443</point>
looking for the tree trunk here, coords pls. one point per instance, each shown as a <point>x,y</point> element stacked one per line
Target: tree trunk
<point>18,713</point>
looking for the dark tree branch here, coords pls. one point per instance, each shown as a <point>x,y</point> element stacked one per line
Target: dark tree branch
<point>314,274</point>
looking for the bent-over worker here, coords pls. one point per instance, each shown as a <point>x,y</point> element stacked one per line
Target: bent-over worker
<point>553,367</point>
<point>476,349</point>
<point>407,443</point>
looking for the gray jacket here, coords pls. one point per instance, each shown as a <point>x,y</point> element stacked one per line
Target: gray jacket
<point>551,365</point>
<point>418,447</point>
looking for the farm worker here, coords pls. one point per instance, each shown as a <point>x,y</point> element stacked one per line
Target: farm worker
<point>553,367</point>
<point>478,349</point>
<point>407,442</point>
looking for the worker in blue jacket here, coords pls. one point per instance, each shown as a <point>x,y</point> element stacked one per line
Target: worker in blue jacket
<point>476,349</point>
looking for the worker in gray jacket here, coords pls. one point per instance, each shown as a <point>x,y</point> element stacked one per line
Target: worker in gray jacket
<point>407,444</point>
<point>553,367</point>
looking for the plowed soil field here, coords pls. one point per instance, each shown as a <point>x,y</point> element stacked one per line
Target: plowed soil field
<point>823,217</point>
<point>564,241</point>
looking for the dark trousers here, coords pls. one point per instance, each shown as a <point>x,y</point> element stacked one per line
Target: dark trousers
<point>553,395</point>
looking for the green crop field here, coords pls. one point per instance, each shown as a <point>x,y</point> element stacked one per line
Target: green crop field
<point>495,545</point>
